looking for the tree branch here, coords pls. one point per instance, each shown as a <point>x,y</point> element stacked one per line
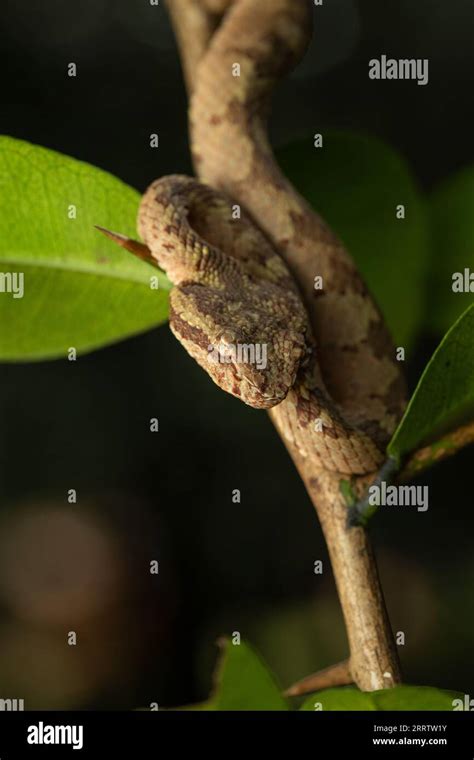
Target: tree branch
<point>373,658</point>
<point>373,661</point>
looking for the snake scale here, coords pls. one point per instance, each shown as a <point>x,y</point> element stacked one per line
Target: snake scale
<point>331,382</point>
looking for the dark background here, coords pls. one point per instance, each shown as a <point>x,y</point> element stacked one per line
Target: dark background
<point>224,567</point>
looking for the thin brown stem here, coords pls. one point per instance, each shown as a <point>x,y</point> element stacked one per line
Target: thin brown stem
<point>334,675</point>
<point>435,452</point>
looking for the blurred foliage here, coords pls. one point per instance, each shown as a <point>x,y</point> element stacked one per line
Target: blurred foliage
<point>444,397</point>
<point>315,622</point>
<point>451,208</point>
<point>356,182</point>
<point>82,568</point>
<point>80,289</point>
<point>242,682</point>
<point>399,698</point>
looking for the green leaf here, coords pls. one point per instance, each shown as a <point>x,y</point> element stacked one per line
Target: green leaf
<point>451,209</point>
<point>344,698</point>
<point>356,183</point>
<point>399,698</point>
<point>80,290</point>
<point>416,698</point>
<point>444,397</point>
<point>243,682</point>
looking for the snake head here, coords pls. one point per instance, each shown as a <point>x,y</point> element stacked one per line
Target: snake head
<point>234,307</point>
<point>250,346</point>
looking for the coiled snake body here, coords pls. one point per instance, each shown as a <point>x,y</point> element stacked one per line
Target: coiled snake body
<point>242,249</point>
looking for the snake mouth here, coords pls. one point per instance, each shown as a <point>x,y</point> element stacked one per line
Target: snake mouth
<point>255,388</point>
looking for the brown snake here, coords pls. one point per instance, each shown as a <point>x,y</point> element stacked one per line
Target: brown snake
<point>331,380</point>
